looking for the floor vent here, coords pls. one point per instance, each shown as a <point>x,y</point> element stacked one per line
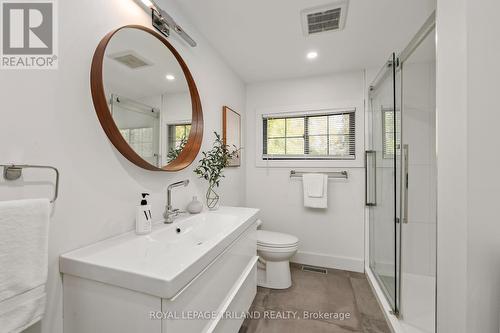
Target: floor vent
<point>313,269</point>
<point>325,18</point>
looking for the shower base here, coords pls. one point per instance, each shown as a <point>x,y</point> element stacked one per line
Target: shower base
<point>417,303</point>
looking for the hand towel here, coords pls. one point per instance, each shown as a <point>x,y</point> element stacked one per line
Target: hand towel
<point>315,190</point>
<point>313,184</point>
<point>20,312</point>
<point>24,226</point>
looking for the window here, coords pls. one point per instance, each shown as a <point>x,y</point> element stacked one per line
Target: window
<point>178,135</point>
<point>389,142</point>
<point>140,139</point>
<point>329,135</point>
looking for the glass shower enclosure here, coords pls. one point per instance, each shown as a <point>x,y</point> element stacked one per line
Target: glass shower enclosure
<point>401,181</point>
<point>383,170</point>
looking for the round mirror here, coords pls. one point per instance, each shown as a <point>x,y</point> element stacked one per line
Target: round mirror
<point>146,99</point>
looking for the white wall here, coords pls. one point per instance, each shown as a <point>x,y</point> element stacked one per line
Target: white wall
<point>468,272</point>
<point>333,237</point>
<point>451,106</point>
<point>175,109</point>
<point>483,179</point>
<point>47,117</point>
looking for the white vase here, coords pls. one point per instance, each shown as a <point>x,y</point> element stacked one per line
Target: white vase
<point>195,206</point>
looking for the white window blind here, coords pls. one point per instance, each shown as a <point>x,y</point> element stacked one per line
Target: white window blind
<point>318,135</point>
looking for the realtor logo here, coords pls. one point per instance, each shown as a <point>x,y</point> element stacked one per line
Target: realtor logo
<point>28,34</point>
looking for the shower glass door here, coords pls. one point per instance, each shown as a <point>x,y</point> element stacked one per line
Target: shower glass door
<point>383,179</point>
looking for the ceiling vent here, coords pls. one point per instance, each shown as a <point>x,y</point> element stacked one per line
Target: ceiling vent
<point>130,59</point>
<point>330,17</point>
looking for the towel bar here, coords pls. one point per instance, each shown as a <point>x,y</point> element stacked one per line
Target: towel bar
<point>14,172</point>
<point>338,174</point>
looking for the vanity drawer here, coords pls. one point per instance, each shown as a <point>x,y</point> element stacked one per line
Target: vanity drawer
<point>192,309</point>
<point>239,303</point>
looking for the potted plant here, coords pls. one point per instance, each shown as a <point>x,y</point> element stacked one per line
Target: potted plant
<point>211,168</point>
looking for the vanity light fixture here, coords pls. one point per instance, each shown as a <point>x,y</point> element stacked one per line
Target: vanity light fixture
<point>163,22</point>
<point>312,55</point>
<point>170,77</point>
<point>147,3</point>
<point>159,24</point>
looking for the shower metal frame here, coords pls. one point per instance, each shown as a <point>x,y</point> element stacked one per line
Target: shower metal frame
<point>414,43</point>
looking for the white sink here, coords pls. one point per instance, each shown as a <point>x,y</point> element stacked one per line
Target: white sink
<point>163,262</point>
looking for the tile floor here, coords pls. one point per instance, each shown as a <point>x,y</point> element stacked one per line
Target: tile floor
<point>336,293</point>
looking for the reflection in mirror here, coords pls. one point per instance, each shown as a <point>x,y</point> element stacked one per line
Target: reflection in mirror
<point>148,95</point>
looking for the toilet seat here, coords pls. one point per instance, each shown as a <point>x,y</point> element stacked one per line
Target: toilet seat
<point>287,249</point>
<point>275,240</point>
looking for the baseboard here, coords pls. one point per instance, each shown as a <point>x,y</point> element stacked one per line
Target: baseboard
<point>328,261</point>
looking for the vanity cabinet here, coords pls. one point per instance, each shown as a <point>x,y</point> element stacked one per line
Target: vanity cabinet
<point>228,285</point>
<point>213,301</point>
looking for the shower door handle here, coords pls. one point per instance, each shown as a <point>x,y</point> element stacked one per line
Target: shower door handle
<point>404,183</point>
<point>370,178</point>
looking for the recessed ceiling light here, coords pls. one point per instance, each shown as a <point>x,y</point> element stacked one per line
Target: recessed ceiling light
<point>170,77</point>
<point>312,55</point>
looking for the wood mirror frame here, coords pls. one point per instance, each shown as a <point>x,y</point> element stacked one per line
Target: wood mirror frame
<point>192,147</point>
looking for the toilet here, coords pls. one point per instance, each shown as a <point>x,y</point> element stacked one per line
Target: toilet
<point>275,250</point>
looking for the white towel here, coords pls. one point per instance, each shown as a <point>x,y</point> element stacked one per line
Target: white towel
<point>315,190</point>
<point>24,226</point>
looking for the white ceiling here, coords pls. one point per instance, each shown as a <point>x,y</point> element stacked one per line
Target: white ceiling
<point>263,39</point>
<point>143,81</point>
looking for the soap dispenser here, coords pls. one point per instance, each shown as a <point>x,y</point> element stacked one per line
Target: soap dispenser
<point>143,218</point>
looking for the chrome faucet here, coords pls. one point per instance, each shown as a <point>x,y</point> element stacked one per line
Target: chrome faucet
<point>170,214</point>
